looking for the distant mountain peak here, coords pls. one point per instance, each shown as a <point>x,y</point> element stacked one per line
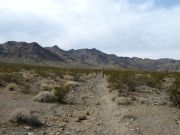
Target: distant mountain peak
<point>24,51</point>
<point>12,43</point>
<point>34,43</point>
<point>55,47</point>
<point>20,43</point>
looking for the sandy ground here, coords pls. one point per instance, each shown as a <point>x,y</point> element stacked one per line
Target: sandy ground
<point>103,116</point>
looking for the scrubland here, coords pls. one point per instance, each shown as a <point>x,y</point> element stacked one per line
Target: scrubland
<point>51,100</point>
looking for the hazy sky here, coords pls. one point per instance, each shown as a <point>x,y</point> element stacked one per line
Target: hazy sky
<point>141,28</point>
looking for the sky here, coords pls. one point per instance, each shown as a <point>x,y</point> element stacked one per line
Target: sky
<point>133,28</point>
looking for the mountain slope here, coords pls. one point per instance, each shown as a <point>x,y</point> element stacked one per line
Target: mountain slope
<point>95,57</point>
<point>23,52</point>
<point>26,51</point>
<point>86,56</point>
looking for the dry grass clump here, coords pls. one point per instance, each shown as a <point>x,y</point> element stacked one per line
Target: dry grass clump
<point>11,86</point>
<point>58,92</point>
<point>61,91</point>
<point>46,97</point>
<point>23,116</point>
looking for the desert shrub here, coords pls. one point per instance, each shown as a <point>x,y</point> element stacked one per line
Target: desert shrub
<point>45,97</point>
<point>26,88</point>
<point>61,91</point>
<point>132,79</point>
<point>11,86</point>
<point>156,79</point>
<point>175,91</point>
<point>119,79</point>
<point>23,116</point>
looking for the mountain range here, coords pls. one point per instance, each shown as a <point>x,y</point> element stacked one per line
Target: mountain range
<point>33,53</point>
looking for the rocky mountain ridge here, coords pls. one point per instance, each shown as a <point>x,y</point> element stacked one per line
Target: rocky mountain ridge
<point>23,52</point>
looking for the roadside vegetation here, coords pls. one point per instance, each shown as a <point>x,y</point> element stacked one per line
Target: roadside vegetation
<point>48,84</point>
<point>35,79</point>
<point>175,93</point>
<point>130,81</point>
<point>38,97</point>
<point>133,79</point>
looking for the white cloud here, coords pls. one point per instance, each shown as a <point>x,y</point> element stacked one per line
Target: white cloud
<point>123,27</point>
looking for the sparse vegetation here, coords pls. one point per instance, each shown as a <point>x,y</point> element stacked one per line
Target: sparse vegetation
<point>175,93</point>
<point>45,97</point>
<point>134,92</point>
<point>29,77</point>
<point>32,79</point>
<point>61,91</point>
<point>132,79</point>
<point>128,81</point>
<point>23,116</point>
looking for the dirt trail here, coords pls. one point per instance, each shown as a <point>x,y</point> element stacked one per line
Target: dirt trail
<point>93,100</point>
<point>107,118</point>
